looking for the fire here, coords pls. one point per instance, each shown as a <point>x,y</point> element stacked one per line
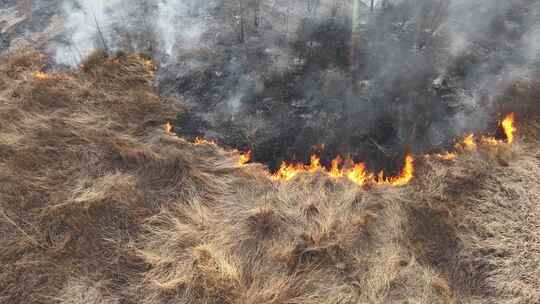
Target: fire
<point>468,143</point>
<point>407,174</point>
<point>315,164</point>
<point>491,141</point>
<point>334,170</point>
<point>289,171</point>
<point>508,127</point>
<point>203,141</point>
<point>446,156</point>
<point>357,172</point>
<point>245,158</point>
<point>149,64</point>
<point>41,75</point>
<point>169,128</point>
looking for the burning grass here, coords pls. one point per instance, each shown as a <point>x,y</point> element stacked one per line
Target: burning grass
<point>100,204</point>
<point>357,173</point>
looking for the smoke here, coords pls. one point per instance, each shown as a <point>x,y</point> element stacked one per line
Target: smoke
<point>530,41</point>
<point>82,21</point>
<point>501,38</point>
<point>283,76</point>
<point>180,23</point>
<point>156,27</point>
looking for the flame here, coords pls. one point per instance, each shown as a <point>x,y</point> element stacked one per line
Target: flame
<point>203,141</point>
<point>335,171</point>
<point>149,64</point>
<point>315,164</point>
<point>41,75</point>
<point>169,128</point>
<point>287,171</point>
<point>407,174</point>
<point>356,173</point>
<point>245,158</point>
<point>508,127</point>
<point>491,141</point>
<point>446,156</point>
<point>468,143</point>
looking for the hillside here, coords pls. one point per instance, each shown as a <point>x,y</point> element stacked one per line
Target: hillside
<point>98,204</point>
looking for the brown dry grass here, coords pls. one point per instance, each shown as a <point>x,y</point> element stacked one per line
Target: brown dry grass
<point>98,205</point>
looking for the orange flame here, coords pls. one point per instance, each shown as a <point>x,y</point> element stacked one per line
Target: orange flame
<point>356,173</point>
<point>288,171</point>
<point>315,164</point>
<point>149,64</point>
<point>446,156</point>
<point>491,141</point>
<point>245,158</point>
<point>508,127</point>
<point>203,141</point>
<point>41,75</point>
<point>406,175</point>
<point>468,143</point>
<point>169,128</point>
<point>335,171</point>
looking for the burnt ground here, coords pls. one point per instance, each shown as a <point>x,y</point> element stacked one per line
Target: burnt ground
<point>284,89</point>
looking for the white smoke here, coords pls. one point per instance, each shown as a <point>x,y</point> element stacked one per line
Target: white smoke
<point>179,22</point>
<point>91,24</point>
<point>81,26</point>
<point>470,50</point>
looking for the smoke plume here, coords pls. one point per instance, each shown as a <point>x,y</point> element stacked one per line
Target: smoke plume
<point>285,78</point>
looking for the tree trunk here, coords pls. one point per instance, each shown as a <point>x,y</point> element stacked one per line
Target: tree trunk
<point>355,39</point>
<point>242,37</point>
<point>257,19</point>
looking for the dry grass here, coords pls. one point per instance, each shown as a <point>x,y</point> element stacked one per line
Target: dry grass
<point>99,205</point>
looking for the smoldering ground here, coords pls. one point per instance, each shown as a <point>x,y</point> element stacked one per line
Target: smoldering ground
<point>285,78</point>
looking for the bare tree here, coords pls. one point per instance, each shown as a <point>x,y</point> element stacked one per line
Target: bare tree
<point>355,39</point>
<point>100,33</point>
<point>257,13</point>
<point>242,12</point>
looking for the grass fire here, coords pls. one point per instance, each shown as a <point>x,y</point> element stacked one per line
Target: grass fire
<point>269,152</point>
<point>357,173</point>
<point>97,183</point>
